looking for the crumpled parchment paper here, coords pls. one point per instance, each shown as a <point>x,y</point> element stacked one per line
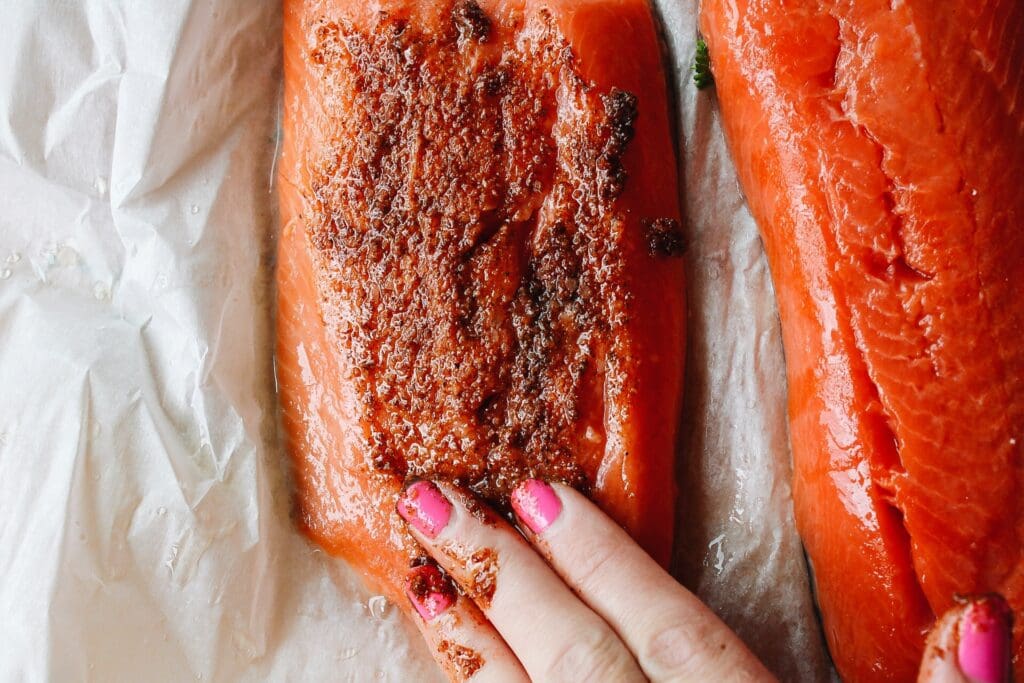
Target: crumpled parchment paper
<point>144,503</point>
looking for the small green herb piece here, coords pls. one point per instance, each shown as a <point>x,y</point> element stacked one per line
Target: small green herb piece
<point>702,77</point>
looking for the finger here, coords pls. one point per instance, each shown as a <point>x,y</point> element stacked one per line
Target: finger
<point>939,662</point>
<point>462,641</point>
<point>970,643</point>
<point>554,635</point>
<point>673,635</point>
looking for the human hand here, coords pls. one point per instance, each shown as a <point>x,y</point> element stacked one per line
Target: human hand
<point>574,598</point>
<point>571,598</point>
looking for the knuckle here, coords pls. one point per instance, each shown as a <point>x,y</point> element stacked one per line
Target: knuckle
<point>672,651</point>
<point>590,565</point>
<point>681,652</point>
<point>597,656</point>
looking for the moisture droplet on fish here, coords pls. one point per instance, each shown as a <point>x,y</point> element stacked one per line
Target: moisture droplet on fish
<point>100,291</point>
<point>194,209</point>
<point>378,606</point>
<point>5,273</point>
<point>100,184</point>
<point>349,653</point>
<point>13,257</point>
<point>161,511</point>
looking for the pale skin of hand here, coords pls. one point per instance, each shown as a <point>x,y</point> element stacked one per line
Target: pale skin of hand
<point>572,597</point>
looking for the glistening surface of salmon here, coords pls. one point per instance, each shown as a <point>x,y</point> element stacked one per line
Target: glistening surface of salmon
<point>880,147</point>
<point>480,274</point>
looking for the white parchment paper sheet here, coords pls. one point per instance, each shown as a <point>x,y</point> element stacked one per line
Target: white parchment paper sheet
<point>144,526</point>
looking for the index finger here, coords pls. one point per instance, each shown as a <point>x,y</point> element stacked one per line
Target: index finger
<point>674,636</point>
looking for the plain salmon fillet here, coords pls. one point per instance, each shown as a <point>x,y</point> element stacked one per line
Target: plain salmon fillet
<point>479,269</point>
<point>880,144</point>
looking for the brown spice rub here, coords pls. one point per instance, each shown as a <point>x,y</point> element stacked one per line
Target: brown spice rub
<point>481,570</point>
<point>471,21</point>
<point>423,584</point>
<point>480,511</point>
<point>464,661</point>
<point>419,561</point>
<point>664,237</point>
<point>464,224</point>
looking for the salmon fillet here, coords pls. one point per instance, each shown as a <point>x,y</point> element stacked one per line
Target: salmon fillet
<point>479,268</point>
<point>880,144</point>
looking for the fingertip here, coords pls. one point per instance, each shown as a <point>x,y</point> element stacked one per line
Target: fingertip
<point>536,504</point>
<point>430,592</point>
<point>970,643</point>
<point>985,628</point>
<point>425,507</point>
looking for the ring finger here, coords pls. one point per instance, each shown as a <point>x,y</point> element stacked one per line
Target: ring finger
<point>461,640</point>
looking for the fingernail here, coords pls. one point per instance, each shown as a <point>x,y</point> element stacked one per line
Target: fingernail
<point>425,507</point>
<point>984,651</point>
<point>536,504</point>
<point>429,592</point>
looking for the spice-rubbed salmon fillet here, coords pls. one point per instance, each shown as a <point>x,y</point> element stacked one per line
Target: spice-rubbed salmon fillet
<point>881,147</point>
<point>479,272</point>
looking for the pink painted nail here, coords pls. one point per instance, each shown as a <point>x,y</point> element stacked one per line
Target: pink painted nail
<point>425,507</point>
<point>536,504</point>
<point>984,650</point>
<point>429,592</point>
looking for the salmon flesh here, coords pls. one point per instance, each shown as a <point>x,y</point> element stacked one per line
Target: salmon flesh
<point>479,271</point>
<point>880,144</point>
